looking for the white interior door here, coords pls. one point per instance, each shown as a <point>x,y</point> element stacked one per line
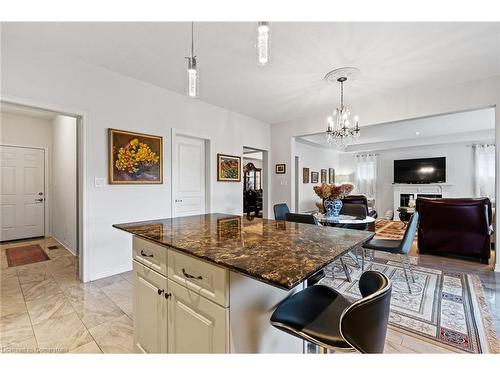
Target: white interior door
<point>188,176</point>
<point>22,192</point>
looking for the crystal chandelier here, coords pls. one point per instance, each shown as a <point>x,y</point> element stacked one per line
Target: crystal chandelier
<point>340,131</point>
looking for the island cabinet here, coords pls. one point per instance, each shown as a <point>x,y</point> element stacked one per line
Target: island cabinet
<point>177,312</point>
<point>210,283</point>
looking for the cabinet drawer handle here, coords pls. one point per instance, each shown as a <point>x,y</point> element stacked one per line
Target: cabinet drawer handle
<point>146,255</point>
<point>160,291</point>
<point>167,295</point>
<point>191,276</point>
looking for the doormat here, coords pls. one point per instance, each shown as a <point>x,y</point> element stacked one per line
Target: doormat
<point>21,255</point>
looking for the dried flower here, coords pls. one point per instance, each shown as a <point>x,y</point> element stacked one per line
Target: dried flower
<point>326,191</point>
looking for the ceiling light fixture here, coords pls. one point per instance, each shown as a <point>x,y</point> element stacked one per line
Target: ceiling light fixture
<point>192,70</point>
<point>339,130</point>
<point>262,43</point>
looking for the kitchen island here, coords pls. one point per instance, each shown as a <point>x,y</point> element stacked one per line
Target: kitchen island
<point>209,283</point>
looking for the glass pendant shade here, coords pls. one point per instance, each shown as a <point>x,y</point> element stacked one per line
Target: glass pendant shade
<point>263,43</point>
<point>193,75</point>
<point>192,78</point>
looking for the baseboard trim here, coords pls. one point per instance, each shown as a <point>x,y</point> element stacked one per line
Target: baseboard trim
<point>72,251</point>
<point>110,272</point>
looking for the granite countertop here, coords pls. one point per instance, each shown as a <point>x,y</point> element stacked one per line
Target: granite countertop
<point>279,253</point>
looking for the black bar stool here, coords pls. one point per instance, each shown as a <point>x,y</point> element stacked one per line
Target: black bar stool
<point>321,315</point>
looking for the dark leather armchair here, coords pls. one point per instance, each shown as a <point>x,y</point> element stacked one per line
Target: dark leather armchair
<point>458,226</point>
<point>360,199</point>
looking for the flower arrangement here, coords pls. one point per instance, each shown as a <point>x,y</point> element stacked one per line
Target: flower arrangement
<point>136,157</point>
<point>327,191</point>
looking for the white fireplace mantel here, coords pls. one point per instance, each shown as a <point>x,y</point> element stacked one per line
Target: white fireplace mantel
<point>418,189</point>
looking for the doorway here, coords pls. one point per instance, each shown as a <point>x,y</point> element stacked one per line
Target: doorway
<point>189,175</point>
<point>255,179</point>
<point>39,172</point>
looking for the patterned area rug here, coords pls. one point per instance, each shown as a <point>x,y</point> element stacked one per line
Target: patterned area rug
<point>388,229</point>
<point>448,308</point>
<point>18,256</point>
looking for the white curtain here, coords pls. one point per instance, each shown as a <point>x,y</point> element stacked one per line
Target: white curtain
<point>484,171</point>
<point>366,175</point>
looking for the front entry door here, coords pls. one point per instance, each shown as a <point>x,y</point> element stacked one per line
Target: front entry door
<point>22,192</point>
<point>188,176</point>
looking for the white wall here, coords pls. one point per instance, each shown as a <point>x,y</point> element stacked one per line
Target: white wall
<point>64,182</point>
<point>22,130</point>
<point>316,159</point>
<point>113,100</point>
<point>459,169</point>
<point>256,162</point>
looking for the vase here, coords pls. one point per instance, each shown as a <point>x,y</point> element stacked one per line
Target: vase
<point>332,207</point>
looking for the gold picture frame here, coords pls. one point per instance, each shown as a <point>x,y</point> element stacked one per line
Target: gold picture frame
<point>280,169</point>
<point>123,165</point>
<point>228,168</point>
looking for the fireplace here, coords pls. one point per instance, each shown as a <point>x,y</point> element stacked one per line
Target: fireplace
<point>403,192</point>
<point>404,199</point>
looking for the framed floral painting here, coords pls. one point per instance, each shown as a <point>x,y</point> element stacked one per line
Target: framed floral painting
<point>135,158</point>
<point>228,168</point>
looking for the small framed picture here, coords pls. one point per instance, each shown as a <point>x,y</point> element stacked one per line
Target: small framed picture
<point>331,175</point>
<point>305,175</point>
<point>228,168</point>
<point>314,177</point>
<point>323,176</point>
<point>280,169</point>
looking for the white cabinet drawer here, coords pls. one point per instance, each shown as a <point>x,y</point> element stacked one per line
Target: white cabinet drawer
<point>150,254</point>
<point>204,278</point>
<point>195,324</point>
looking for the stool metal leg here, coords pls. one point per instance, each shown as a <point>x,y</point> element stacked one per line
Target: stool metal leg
<point>410,268</point>
<point>363,255</point>
<point>406,275</point>
<point>354,257</point>
<point>346,270</point>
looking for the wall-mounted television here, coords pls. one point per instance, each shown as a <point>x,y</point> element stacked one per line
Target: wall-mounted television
<point>420,171</point>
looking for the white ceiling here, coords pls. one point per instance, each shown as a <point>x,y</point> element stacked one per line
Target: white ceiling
<point>470,126</point>
<point>391,56</point>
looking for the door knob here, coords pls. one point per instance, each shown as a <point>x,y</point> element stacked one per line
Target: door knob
<point>39,200</point>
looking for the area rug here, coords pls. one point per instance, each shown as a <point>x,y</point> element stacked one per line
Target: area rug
<point>21,255</point>
<point>447,308</point>
<point>388,229</point>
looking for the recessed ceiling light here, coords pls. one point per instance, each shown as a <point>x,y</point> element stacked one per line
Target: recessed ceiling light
<point>417,133</point>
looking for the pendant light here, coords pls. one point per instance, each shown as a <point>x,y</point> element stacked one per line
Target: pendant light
<point>262,43</point>
<point>192,70</point>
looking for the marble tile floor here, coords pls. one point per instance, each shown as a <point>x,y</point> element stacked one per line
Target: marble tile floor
<point>45,308</point>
